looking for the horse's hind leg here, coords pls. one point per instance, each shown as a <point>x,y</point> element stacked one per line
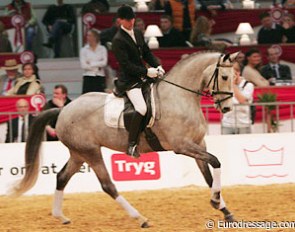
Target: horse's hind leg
<point>71,167</point>
<point>204,168</point>
<point>108,187</point>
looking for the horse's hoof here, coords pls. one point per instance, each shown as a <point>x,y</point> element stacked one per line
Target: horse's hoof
<point>215,204</point>
<point>64,220</point>
<point>229,218</point>
<point>145,225</point>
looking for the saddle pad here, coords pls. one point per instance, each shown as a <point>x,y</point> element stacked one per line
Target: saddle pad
<point>113,111</point>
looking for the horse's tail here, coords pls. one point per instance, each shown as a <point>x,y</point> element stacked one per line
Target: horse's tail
<point>32,154</point>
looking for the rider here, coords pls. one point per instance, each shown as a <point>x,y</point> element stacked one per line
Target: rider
<point>132,52</point>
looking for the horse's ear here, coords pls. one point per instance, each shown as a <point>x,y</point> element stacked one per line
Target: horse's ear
<point>233,57</point>
<point>225,58</point>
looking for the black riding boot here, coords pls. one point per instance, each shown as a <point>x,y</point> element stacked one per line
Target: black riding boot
<point>134,133</point>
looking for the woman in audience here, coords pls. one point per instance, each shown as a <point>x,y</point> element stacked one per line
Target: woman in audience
<point>289,26</point>
<point>252,64</point>
<point>201,32</point>
<point>93,59</point>
<point>28,83</point>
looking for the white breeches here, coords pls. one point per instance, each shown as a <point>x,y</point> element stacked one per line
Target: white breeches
<point>136,97</point>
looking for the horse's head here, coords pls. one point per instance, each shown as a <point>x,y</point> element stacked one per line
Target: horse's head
<point>219,81</point>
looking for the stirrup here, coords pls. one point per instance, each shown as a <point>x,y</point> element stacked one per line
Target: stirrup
<point>132,151</point>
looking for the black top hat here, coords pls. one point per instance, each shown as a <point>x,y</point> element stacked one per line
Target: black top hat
<point>125,12</point>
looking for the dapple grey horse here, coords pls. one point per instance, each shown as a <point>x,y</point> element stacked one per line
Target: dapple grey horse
<point>179,125</point>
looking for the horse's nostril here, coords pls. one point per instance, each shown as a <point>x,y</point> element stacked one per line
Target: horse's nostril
<point>225,109</point>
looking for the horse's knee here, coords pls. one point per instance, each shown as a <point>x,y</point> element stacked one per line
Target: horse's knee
<point>110,189</point>
<point>61,181</point>
<point>215,162</point>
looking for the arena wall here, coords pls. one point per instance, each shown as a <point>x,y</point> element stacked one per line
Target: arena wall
<point>256,159</point>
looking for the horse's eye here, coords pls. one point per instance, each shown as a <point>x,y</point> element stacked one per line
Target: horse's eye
<point>224,78</point>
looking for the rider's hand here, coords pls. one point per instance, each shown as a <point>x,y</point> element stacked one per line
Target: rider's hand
<point>152,72</point>
<point>161,70</point>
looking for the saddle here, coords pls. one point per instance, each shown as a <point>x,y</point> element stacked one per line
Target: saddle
<point>119,112</point>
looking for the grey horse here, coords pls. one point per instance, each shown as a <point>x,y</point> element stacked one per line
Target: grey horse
<point>180,127</point>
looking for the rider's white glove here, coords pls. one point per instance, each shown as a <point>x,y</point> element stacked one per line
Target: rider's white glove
<point>161,70</point>
<point>152,72</point>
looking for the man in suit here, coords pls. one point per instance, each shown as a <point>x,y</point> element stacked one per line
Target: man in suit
<point>171,36</point>
<point>8,80</point>
<point>274,71</point>
<point>132,52</point>
<point>18,128</point>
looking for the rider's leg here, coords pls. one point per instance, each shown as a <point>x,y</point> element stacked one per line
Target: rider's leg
<point>136,97</point>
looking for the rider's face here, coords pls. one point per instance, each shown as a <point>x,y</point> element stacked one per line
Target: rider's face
<point>127,23</point>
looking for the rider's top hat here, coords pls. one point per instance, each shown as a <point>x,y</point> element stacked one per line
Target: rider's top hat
<point>125,12</point>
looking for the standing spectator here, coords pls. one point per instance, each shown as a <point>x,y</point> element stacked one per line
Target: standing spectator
<point>21,7</point>
<point>107,35</point>
<point>274,71</point>
<point>94,59</point>
<point>183,14</point>
<point>59,20</point>
<point>139,25</point>
<point>289,26</point>
<point>240,59</point>
<point>201,35</point>
<point>215,4</point>
<point>28,83</point>
<point>18,128</point>
<point>5,45</point>
<point>251,69</point>
<point>157,5</point>
<point>96,7</point>
<point>8,80</point>
<point>59,100</point>
<point>171,36</point>
<point>270,32</point>
<point>238,121</point>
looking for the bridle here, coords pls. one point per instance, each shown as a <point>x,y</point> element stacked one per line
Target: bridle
<point>215,90</point>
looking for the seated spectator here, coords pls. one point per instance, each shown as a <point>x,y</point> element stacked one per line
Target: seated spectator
<point>201,35</point>
<point>289,26</point>
<point>270,32</point>
<point>5,45</point>
<point>107,35</point>
<point>59,20</point>
<point>171,36</point>
<point>274,71</point>
<point>21,7</point>
<point>96,7</point>
<point>93,59</point>
<point>139,25</point>
<point>183,15</point>
<point>8,80</point>
<point>18,128</point>
<point>238,121</point>
<point>157,5</point>
<point>215,4</point>
<point>59,100</point>
<point>28,83</point>
<point>251,70</point>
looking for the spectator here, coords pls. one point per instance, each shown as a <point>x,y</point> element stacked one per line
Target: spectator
<point>157,5</point>
<point>8,80</point>
<point>59,100</point>
<point>21,7</point>
<point>59,20</point>
<point>18,128</point>
<point>274,71</point>
<point>270,32</point>
<point>240,59</point>
<point>139,25</point>
<point>238,121</point>
<point>289,26</point>
<point>201,35</point>
<point>183,14</point>
<point>5,45</point>
<point>96,7</point>
<point>250,72</point>
<point>107,35</point>
<point>171,36</point>
<point>289,3</point>
<point>94,59</point>
<point>28,83</point>
<point>215,4</point>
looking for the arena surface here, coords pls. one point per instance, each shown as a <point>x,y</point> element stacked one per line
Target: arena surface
<point>180,210</point>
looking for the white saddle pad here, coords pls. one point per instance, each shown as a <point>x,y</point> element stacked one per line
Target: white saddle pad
<point>113,111</point>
